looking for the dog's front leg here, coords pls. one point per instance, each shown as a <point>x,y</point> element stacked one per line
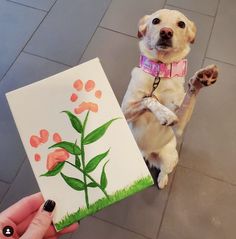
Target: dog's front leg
<point>204,77</point>
<point>162,113</point>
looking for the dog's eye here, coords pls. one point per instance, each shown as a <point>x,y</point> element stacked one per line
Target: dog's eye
<point>181,24</point>
<point>156,21</point>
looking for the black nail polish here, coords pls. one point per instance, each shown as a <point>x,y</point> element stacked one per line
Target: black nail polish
<point>49,205</point>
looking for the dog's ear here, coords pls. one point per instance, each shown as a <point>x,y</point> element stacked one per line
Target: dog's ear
<point>142,26</point>
<point>192,30</point>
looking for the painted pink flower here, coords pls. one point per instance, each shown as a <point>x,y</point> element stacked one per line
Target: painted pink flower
<point>55,157</point>
<point>89,86</point>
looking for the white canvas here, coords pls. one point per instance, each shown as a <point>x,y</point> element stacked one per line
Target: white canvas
<point>38,112</point>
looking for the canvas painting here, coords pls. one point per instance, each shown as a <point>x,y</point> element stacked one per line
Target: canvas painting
<point>79,145</point>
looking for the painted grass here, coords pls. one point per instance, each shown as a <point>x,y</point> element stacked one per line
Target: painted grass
<point>104,202</point>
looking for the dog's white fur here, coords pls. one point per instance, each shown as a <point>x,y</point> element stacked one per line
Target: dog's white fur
<point>146,115</point>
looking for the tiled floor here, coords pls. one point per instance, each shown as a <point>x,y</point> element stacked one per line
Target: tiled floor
<point>41,38</point>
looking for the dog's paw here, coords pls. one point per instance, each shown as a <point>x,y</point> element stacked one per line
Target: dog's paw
<point>162,180</point>
<point>204,77</point>
<point>167,117</point>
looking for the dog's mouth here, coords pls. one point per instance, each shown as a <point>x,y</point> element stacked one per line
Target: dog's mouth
<point>164,44</point>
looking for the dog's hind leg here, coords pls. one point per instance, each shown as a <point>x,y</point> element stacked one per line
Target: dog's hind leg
<point>168,160</point>
<point>204,77</point>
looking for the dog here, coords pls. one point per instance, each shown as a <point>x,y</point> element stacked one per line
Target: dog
<point>155,105</point>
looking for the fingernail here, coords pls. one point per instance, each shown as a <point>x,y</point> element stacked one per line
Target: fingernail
<point>49,205</point>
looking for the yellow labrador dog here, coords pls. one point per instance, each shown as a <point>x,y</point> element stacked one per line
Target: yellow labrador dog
<point>155,99</point>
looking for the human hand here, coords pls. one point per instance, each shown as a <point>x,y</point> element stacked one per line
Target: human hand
<point>32,220</point>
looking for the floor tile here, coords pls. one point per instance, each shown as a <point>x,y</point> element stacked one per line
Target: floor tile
<point>17,24</point>
<point>66,31</point>
<point>24,184</point>
<point>118,55</point>
<point>124,15</point>
<point>199,207</point>
<point>27,69</point>
<point>141,213</point>
<point>208,7</point>
<point>91,228</point>
<point>222,43</point>
<point>3,189</point>
<point>198,49</point>
<point>42,4</point>
<point>209,144</point>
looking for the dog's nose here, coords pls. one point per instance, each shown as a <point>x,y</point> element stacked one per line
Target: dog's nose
<point>166,33</point>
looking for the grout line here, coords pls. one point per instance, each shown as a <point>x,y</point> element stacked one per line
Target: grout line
<point>48,59</point>
<point>24,5</point>
<point>203,14</point>
<point>122,33</point>
<point>27,41</point>
<point>11,184</point>
<point>3,181</point>
<point>94,32</point>
<point>124,228</point>
<point>209,39</point>
<point>165,3</point>
<point>207,175</point>
<point>167,201</point>
<point>218,4</point>
<point>223,62</point>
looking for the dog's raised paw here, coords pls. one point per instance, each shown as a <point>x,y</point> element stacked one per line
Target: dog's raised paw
<point>204,77</point>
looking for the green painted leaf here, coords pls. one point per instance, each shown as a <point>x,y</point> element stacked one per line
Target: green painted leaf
<point>74,182</point>
<point>97,133</point>
<point>103,180</point>
<point>75,121</point>
<point>92,185</point>
<point>68,146</point>
<point>55,171</point>
<point>77,161</point>
<point>94,162</point>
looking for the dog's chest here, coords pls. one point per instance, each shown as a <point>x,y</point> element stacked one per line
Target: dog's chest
<point>167,90</point>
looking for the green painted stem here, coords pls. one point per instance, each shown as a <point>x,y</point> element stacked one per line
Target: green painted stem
<point>83,159</point>
<point>93,180</point>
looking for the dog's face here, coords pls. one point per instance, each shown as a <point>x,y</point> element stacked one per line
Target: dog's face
<point>166,31</point>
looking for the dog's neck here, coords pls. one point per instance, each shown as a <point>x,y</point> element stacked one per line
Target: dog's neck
<point>166,57</point>
<point>163,70</point>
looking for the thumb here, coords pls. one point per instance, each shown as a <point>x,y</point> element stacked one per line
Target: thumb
<point>41,222</point>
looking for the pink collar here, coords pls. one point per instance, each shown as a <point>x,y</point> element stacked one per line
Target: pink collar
<point>163,70</point>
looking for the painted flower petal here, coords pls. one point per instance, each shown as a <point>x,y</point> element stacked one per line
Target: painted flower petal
<point>73,97</point>
<point>86,106</point>
<point>98,94</point>
<point>37,157</point>
<point>35,141</point>
<point>81,108</point>
<point>93,107</point>
<point>90,84</point>
<point>51,162</point>
<point>61,154</point>
<point>44,134</point>
<point>55,157</point>
<point>57,138</point>
<point>78,85</point>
